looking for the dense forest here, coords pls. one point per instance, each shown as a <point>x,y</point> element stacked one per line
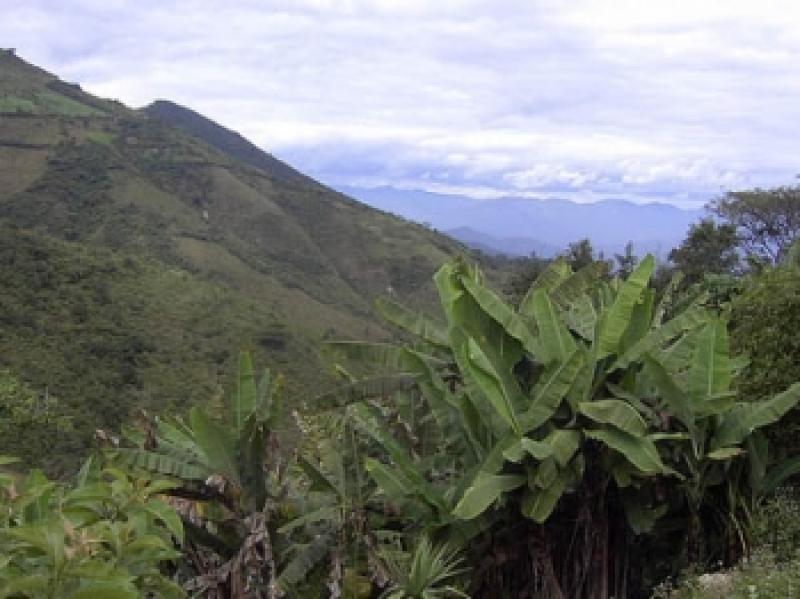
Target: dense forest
<point>584,426</point>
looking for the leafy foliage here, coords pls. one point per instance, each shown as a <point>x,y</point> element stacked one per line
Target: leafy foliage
<point>580,412</point>
<point>109,535</point>
<point>767,221</point>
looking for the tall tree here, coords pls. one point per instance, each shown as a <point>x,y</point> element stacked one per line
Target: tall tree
<point>767,221</point>
<point>579,254</point>
<point>626,261</point>
<point>709,248</point>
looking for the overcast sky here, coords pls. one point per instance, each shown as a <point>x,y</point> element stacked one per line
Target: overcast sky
<point>647,100</point>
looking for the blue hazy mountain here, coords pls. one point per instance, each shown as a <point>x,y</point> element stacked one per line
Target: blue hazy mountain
<point>519,226</point>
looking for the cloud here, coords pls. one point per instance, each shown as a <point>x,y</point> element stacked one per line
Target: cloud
<point>614,98</point>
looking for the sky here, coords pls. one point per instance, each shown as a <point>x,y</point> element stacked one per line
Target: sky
<point>651,100</point>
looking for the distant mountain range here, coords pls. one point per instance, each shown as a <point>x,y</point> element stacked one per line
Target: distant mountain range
<point>517,226</point>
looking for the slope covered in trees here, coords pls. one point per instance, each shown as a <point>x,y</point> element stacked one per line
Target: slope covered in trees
<point>137,258</point>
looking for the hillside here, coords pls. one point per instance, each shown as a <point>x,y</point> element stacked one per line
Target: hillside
<point>138,258</point>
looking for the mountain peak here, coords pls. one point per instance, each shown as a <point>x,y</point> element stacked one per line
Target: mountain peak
<point>223,139</point>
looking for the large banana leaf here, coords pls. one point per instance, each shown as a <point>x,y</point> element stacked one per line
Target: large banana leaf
<point>409,472</point>
<point>550,392</point>
<point>675,397</point>
<point>639,451</point>
<point>557,271</point>
<point>244,402</point>
<point>743,419</point>
<point>615,321</point>
<point>303,560</point>
<point>500,388</point>
<point>710,374</point>
<point>538,503</point>
<point>576,285</point>
<point>485,490</point>
<point>160,463</point>
<point>217,444</point>
<point>555,341</point>
<point>511,321</point>
<point>687,320</point>
<point>581,317</point>
<point>617,413</point>
<point>416,324</point>
<point>564,444</point>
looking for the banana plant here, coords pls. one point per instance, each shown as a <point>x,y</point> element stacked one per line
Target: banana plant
<point>231,482</point>
<point>577,405</point>
<point>333,521</point>
<point>109,535</point>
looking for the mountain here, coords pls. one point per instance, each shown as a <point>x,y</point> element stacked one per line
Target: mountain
<point>223,139</point>
<point>518,226</point>
<point>508,246</point>
<point>140,250</point>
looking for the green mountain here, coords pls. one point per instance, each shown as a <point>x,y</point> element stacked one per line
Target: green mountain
<point>140,250</point>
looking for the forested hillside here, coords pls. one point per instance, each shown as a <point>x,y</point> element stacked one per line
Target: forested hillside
<point>138,258</point>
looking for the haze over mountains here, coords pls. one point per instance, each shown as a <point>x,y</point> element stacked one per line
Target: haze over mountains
<point>519,226</point>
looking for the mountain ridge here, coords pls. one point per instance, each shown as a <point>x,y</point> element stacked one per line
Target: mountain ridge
<point>552,223</point>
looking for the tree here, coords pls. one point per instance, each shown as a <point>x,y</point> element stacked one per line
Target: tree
<point>709,248</point>
<point>626,262</point>
<point>579,254</point>
<point>767,221</point>
<point>765,319</point>
<point>550,440</point>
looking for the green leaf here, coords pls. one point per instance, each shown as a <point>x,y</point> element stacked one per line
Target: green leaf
<point>743,419</point>
<point>244,401</point>
<point>710,374</point>
<point>639,451</point>
<point>564,443</point>
<point>616,320</point>
<point>485,490</point>
<point>168,516</point>
<point>502,313</point>
<point>216,443</point>
<point>538,504</point>
<point>556,271</point>
<point>673,395</point>
<point>417,324</point>
<point>617,413</point>
<point>160,464</point>
<point>573,287</point>
<point>549,394</point>
<point>501,391</point>
<point>303,561</point>
<point>725,453</point>
<point>556,341</point>
<point>375,387</point>
<point>689,319</point>
<point>319,482</point>
<point>393,483</point>
<point>525,446</point>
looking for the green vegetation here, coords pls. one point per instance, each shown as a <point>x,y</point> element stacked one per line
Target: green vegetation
<point>597,429</point>
<point>105,536</point>
<point>137,258</point>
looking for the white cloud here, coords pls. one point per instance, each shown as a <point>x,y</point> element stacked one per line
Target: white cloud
<point>614,98</point>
